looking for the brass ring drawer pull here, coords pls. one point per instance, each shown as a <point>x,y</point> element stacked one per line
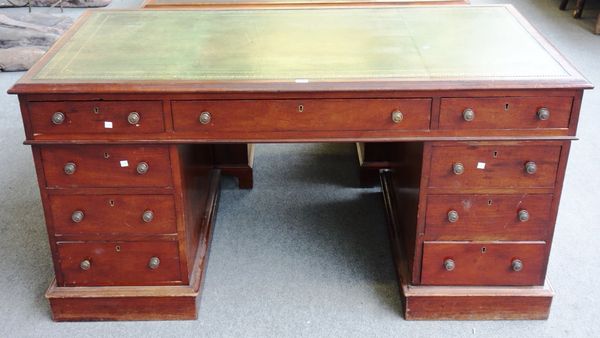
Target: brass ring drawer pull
<point>148,216</point>
<point>205,117</point>
<point>142,168</point>
<point>85,264</point>
<point>154,263</point>
<point>523,215</point>
<point>452,216</point>
<point>458,168</point>
<point>543,114</point>
<point>133,118</point>
<point>397,116</point>
<point>58,118</point>
<point>449,264</point>
<point>517,265</point>
<point>530,167</point>
<point>468,115</point>
<point>77,216</point>
<point>70,168</point>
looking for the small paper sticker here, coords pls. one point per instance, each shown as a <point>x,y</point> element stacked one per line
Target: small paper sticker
<point>107,124</point>
<point>301,80</point>
<point>124,163</point>
<point>480,165</point>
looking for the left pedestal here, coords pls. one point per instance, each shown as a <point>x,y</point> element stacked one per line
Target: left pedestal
<point>129,229</point>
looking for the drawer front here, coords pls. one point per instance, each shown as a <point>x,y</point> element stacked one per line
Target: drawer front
<point>505,113</point>
<point>104,214</point>
<point>118,263</point>
<point>502,166</point>
<point>96,117</point>
<point>106,166</point>
<point>488,217</point>
<point>302,115</point>
<point>483,263</point>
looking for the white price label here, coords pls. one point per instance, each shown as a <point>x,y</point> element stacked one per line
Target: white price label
<point>107,124</point>
<point>480,165</point>
<point>124,163</point>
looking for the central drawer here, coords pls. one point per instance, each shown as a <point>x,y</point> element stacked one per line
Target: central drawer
<point>302,115</point>
<point>483,263</point>
<point>494,166</point>
<point>104,214</point>
<point>119,263</point>
<point>106,166</point>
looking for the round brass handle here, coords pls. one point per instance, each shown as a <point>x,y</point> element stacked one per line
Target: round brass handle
<point>517,265</point>
<point>154,263</point>
<point>77,216</point>
<point>458,168</point>
<point>468,115</point>
<point>449,264</point>
<point>530,167</point>
<point>543,114</point>
<point>204,117</point>
<point>523,215</point>
<point>133,118</point>
<point>85,264</point>
<point>452,216</point>
<point>70,168</point>
<point>397,116</point>
<point>142,168</point>
<point>58,117</point>
<point>148,216</point>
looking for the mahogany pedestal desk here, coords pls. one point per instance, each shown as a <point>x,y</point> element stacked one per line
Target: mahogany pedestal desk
<point>120,114</point>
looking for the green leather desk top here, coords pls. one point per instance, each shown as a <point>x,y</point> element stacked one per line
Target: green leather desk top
<point>363,44</point>
<point>237,2</point>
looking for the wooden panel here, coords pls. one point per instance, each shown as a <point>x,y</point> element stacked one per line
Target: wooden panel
<point>124,308</point>
<point>488,217</point>
<point>505,112</point>
<point>113,214</point>
<point>298,115</point>
<point>96,117</point>
<point>102,166</point>
<point>483,263</point>
<point>119,263</point>
<point>491,166</point>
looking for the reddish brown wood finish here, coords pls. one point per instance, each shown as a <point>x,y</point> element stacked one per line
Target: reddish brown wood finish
<point>119,263</point>
<point>504,166</point>
<point>505,112</point>
<point>120,214</point>
<point>91,116</point>
<point>488,217</point>
<point>483,263</point>
<point>100,166</point>
<point>301,115</point>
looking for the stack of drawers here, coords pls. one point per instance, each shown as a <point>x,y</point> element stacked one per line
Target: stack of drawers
<point>121,215</point>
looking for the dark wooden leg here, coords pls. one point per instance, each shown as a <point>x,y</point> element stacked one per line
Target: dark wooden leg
<point>245,179</point>
<point>597,31</point>
<point>578,9</point>
<point>563,5</point>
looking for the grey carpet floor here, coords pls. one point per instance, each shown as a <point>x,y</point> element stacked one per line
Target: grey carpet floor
<point>305,253</point>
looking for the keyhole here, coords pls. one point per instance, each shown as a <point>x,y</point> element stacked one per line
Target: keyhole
<point>489,202</point>
<point>111,203</point>
<point>96,110</point>
<point>495,154</point>
<point>300,108</point>
<point>483,249</point>
<point>106,155</point>
<point>506,106</point>
<point>118,248</point>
